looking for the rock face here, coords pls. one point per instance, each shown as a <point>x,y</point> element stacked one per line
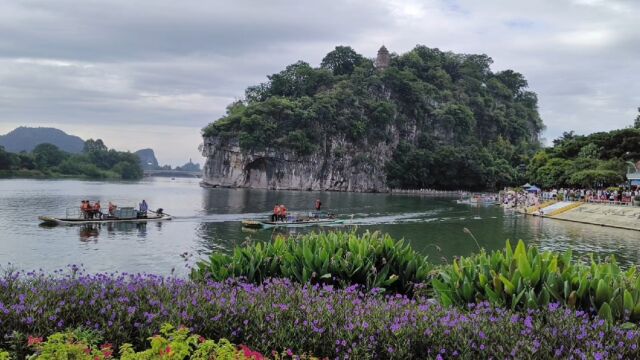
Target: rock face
<point>338,168</point>
<point>148,159</point>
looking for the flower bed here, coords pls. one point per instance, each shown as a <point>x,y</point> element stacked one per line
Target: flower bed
<point>520,278</point>
<point>280,315</point>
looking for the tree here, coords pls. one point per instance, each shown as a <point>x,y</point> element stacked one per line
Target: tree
<point>47,156</point>
<point>342,60</point>
<point>636,124</point>
<point>589,151</point>
<point>7,159</point>
<point>128,170</point>
<point>296,80</point>
<point>94,145</point>
<point>512,80</point>
<point>595,178</point>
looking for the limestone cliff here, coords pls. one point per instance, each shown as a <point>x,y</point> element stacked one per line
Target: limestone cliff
<point>340,168</point>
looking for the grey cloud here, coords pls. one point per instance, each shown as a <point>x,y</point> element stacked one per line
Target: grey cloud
<point>163,64</point>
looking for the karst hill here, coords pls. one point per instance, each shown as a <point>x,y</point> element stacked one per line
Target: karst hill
<point>422,119</point>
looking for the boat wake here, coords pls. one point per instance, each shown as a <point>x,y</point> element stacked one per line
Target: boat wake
<point>403,218</point>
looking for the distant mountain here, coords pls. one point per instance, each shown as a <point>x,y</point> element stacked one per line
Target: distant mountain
<point>27,138</point>
<point>190,166</point>
<point>148,159</point>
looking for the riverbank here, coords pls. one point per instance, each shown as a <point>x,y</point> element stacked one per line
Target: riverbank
<point>37,174</point>
<point>616,216</point>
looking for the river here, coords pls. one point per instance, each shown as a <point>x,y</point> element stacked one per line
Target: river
<point>207,220</point>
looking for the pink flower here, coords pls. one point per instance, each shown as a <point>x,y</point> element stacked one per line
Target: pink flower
<point>34,340</point>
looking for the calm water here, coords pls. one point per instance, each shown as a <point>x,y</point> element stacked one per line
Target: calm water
<point>209,220</point>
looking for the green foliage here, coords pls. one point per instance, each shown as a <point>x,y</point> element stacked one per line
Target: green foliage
<point>76,344</point>
<point>7,159</point>
<point>343,258</point>
<point>585,161</point>
<point>595,178</point>
<point>342,60</point>
<point>180,344</point>
<point>96,162</point>
<point>430,102</point>
<point>47,156</point>
<point>526,278</point>
<point>171,343</point>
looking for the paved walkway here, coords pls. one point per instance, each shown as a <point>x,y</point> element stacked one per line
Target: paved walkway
<point>625,217</point>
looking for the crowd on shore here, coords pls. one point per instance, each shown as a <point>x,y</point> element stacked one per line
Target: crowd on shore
<point>526,197</point>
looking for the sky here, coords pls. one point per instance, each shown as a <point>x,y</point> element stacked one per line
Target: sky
<point>153,73</point>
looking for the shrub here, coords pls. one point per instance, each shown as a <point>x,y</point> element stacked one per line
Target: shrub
<point>171,344</point>
<point>340,258</point>
<point>528,279</point>
<point>281,315</point>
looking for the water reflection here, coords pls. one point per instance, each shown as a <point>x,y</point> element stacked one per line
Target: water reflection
<point>91,232</point>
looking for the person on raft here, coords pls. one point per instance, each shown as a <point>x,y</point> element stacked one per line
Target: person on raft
<point>84,211</point>
<point>276,213</point>
<point>318,206</point>
<point>87,209</point>
<point>95,210</point>
<point>112,209</point>
<point>283,213</point>
<point>142,213</point>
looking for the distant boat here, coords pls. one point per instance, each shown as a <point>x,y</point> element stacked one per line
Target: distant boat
<point>479,199</point>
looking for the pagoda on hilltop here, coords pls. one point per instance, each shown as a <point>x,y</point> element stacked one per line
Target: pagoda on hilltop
<point>383,59</point>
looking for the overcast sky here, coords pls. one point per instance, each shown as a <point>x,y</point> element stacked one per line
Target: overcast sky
<point>152,73</point>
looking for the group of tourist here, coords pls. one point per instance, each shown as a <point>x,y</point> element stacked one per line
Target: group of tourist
<point>525,197</point>
<point>591,195</point>
<point>280,211</point>
<point>91,211</point>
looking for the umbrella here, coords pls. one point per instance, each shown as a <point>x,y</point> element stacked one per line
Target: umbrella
<point>526,186</point>
<point>533,189</point>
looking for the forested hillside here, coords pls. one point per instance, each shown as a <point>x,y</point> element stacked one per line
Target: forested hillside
<point>96,161</point>
<point>449,120</point>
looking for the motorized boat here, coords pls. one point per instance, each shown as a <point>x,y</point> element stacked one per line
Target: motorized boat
<point>256,224</point>
<point>314,218</point>
<point>121,215</point>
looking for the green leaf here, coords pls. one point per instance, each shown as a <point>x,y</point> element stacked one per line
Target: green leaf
<point>509,288</point>
<point>605,313</point>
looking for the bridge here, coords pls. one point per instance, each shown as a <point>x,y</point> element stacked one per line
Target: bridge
<point>173,173</point>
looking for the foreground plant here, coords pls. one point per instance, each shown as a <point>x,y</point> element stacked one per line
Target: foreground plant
<point>294,318</point>
<point>526,278</point>
<point>176,344</point>
<point>372,259</point>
